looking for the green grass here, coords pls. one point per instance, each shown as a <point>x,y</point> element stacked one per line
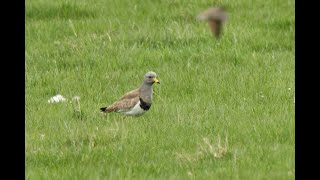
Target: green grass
<point>224,109</point>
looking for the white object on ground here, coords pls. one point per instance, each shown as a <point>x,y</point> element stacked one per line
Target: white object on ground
<point>56,99</point>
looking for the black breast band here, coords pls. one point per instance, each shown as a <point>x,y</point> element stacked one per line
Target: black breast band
<point>145,106</point>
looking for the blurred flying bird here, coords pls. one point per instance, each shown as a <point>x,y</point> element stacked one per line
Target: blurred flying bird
<point>216,17</point>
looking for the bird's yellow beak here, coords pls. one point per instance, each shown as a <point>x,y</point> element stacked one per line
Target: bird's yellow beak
<point>156,80</point>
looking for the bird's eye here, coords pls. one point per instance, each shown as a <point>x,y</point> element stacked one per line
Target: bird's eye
<point>149,77</point>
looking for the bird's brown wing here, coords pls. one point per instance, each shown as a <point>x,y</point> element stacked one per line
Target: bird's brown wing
<point>125,104</point>
<point>216,13</point>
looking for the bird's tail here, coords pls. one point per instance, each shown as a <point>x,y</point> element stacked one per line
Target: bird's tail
<point>103,109</point>
<point>106,109</point>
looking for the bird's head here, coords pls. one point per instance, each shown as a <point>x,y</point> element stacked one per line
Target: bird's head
<point>150,78</point>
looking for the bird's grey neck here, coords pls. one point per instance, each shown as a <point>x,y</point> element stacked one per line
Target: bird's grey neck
<point>146,92</point>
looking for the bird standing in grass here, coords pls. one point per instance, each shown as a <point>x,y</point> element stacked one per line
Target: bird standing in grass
<point>135,102</point>
<point>215,16</point>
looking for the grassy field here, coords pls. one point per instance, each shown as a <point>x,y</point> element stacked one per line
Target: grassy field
<point>224,108</point>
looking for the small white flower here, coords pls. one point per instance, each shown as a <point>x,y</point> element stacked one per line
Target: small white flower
<point>56,42</point>
<point>42,136</point>
<point>188,65</point>
<point>76,98</point>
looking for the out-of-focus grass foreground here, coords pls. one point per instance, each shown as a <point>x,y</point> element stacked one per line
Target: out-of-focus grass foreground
<point>224,108</point>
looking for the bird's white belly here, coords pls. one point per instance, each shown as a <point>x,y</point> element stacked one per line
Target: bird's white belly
<point>135,111</point>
